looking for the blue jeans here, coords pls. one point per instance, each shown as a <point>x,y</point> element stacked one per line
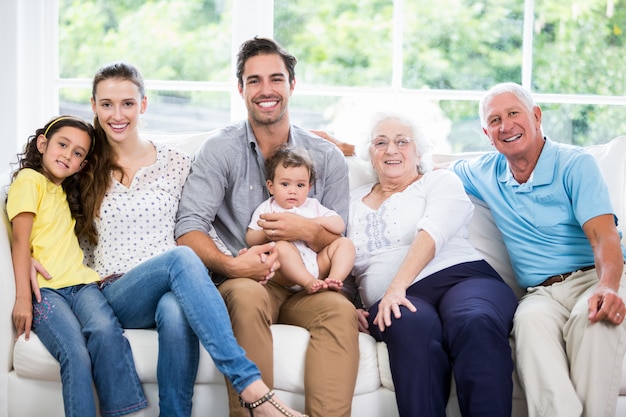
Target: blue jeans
<point>462,323</point>
<point>78,327</point>
<point>174,292</point>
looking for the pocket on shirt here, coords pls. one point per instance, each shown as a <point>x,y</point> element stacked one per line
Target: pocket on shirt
<point>551,209</point>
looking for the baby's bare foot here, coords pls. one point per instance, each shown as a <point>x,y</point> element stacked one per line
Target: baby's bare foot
<point>334,284</point>
<point>315,285</point>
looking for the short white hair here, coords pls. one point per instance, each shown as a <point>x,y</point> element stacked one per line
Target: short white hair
<point>422,145</point>
<point>520,92</point>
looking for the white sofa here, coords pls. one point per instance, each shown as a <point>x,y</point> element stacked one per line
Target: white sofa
<point>29,376</point>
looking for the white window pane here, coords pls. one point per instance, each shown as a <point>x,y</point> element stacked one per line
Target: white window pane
<point>583,124</point>
<point>166,40</point>
<point>428,59</point>
<point>579,47</point>
<point>344,42</point>
<point>462,45</point>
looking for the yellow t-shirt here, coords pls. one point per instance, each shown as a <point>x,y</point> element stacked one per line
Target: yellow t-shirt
<point>53,241</point>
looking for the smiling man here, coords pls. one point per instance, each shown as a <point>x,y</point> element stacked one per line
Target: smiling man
<point>226,184</point>
<point>552,206</point>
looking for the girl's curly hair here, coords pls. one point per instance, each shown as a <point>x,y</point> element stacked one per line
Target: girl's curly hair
<point>77,187</point>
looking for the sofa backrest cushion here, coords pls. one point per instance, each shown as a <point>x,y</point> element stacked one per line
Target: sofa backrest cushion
<point>612,160</point>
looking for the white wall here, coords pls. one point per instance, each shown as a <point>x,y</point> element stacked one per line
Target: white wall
<point>8,82</point>
<point>27,74</point>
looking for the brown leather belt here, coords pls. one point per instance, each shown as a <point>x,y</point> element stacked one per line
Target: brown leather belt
<point>109,279</point>
<point>561,277</point>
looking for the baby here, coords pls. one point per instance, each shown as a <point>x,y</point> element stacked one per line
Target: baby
<point>290,175</point>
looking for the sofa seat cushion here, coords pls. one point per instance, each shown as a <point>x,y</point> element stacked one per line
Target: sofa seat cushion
<point>32,360</point>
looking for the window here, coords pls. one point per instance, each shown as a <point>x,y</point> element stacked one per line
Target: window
<point>178,47</point>
<point>432,60</point>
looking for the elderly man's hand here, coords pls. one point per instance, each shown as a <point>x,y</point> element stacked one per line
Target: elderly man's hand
<point>606,304</point>
<point>345,148</point>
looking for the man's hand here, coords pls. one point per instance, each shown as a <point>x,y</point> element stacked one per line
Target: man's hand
<point>258,263</point>
<point>285,226</point>
<point>606,304</point>
<point>362,316</point>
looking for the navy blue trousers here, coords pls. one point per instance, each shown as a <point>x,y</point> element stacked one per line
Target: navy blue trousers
<point>462,324</point>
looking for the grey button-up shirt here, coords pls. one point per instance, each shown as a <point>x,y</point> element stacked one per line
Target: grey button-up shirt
<point>227,182</point>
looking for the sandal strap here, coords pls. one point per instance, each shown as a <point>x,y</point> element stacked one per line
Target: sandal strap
<point>262,400</point>
<point>267,398</point>
<point>280,408</point>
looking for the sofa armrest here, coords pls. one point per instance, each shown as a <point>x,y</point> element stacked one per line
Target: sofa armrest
<point>7,297</point>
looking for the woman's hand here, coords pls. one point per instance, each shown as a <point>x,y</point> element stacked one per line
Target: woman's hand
<point>390,303</point>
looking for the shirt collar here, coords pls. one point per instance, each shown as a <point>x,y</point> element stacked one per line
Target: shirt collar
<point>252,142</point>
<point>544,170</point>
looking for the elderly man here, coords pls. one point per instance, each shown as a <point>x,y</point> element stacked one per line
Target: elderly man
<point>552,206</point>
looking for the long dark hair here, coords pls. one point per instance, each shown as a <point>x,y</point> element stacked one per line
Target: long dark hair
<point>77,187</point>
<point>107,164</point>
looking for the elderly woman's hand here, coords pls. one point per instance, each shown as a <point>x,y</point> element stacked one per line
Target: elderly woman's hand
<point>390,303</point>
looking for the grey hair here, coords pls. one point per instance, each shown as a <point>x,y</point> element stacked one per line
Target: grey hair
<point>520,92</point>
<point>422,146</point>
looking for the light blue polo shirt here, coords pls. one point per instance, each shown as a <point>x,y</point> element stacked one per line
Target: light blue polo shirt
<point>541,220</point>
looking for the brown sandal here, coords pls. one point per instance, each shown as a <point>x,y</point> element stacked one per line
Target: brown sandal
<point>266,398</point>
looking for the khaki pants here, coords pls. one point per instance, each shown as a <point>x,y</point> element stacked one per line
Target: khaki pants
<point>332,356</point>
<point>568,367</point>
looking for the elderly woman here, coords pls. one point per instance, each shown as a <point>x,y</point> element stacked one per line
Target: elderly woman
<point>427,292</point>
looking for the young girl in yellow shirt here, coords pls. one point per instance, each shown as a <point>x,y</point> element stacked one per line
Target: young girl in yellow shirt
<point>72,319</point>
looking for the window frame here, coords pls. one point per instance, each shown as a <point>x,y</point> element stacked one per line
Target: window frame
<point>33,83</point>
<point>256,18</point>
